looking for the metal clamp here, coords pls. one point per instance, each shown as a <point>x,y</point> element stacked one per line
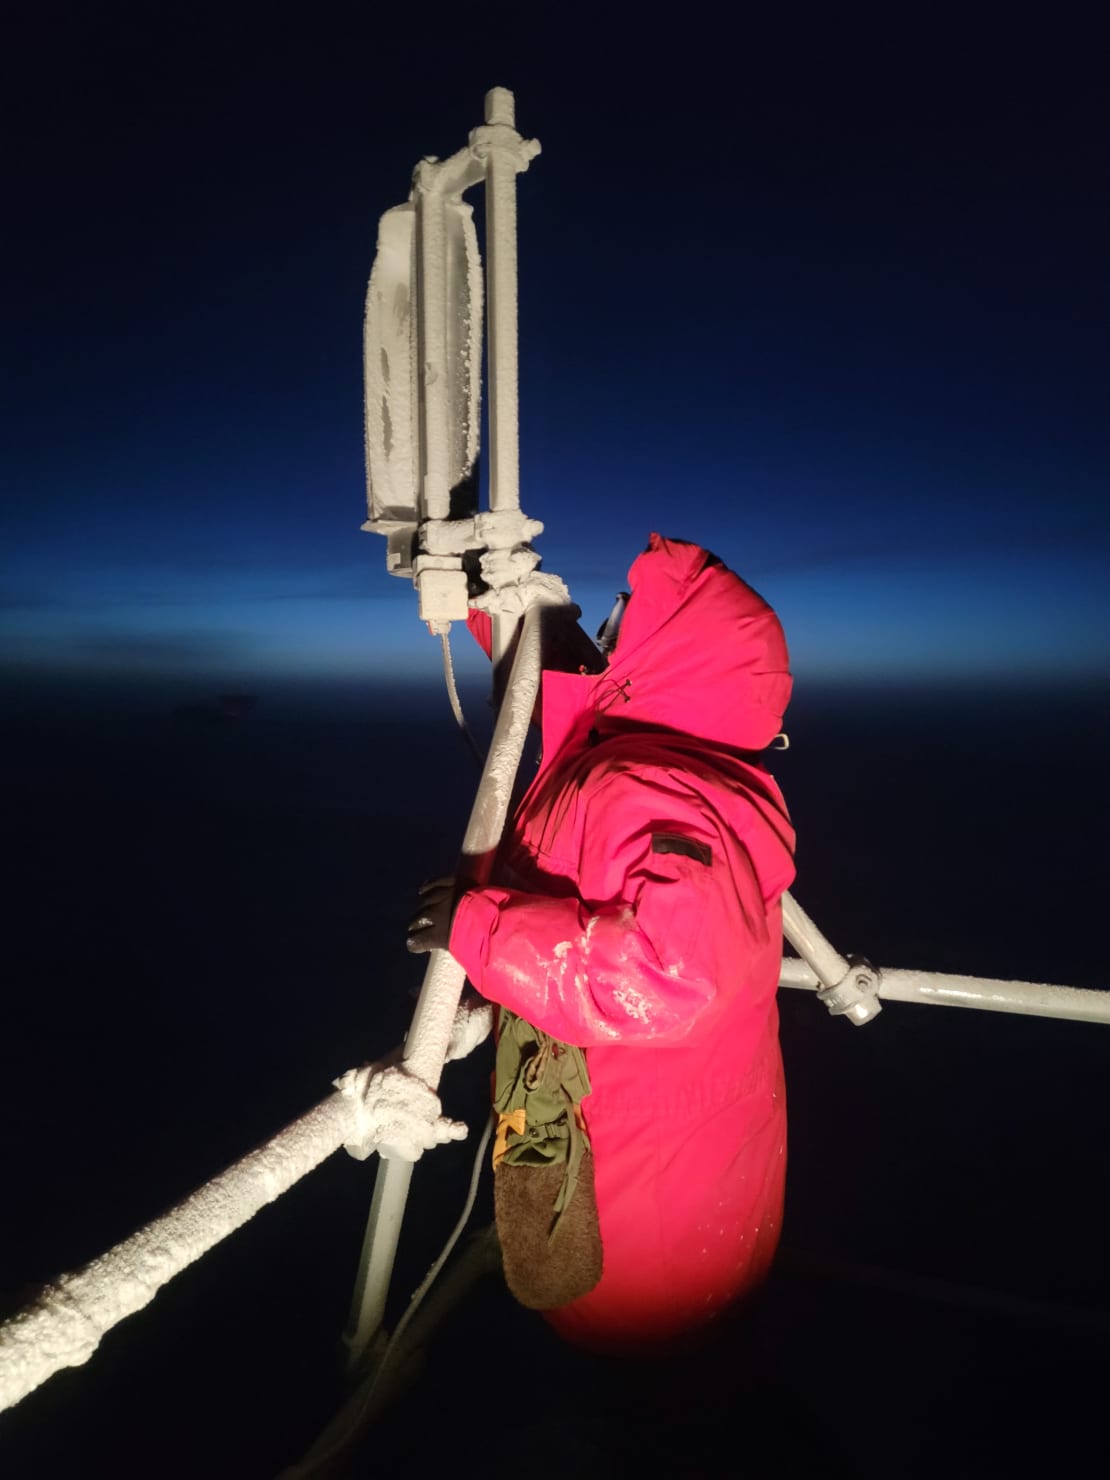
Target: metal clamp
<point>502,529</point>
<point>856,995</point>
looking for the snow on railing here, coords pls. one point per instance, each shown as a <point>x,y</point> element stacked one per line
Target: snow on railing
<point>851,987</point>
<point>938,989</point>
<point>444,979</point>
<point>64,1325</point>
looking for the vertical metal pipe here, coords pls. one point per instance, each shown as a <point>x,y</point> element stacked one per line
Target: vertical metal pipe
<point>377,1255</point>
<point>432,379</point>
<point>501,147</point>
<point>501,278</point>
<point>426,1044</point>
<point>502,165</point>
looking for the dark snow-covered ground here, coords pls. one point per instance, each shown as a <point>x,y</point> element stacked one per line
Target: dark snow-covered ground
<point>204,926</point>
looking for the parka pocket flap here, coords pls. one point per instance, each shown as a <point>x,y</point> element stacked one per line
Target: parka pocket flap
<point>674,842</point>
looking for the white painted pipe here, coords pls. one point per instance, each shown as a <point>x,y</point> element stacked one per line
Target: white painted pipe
<point>430,301</point>
<point>827,964</point>
<point>502,148</point>
<point>426,1044</point>
<point>64,1325</point>
<point>1030,999</point>
<point>496,153</point>
<point>502,144</point>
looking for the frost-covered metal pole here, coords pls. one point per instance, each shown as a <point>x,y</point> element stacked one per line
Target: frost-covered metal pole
<point>423,309</point>
<point>845,987</point>
<point>63,1326</point>
<point>857,990</point>
<point>505,154</point>
<point>501,144</point>
<point>939,989</point>
<point>434,389</point>
<point>426,1044</point>
<point>422,359</point>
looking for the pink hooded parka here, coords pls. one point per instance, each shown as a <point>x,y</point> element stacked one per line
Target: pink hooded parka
<point>648,859</point>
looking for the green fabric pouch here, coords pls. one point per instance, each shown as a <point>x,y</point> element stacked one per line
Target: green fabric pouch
<point>544,1196</point>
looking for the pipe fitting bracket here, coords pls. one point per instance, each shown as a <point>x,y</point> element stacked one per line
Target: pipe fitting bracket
<point>855,996</point>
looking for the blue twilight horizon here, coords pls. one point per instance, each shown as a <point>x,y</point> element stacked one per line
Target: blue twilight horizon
<point>855,341</point>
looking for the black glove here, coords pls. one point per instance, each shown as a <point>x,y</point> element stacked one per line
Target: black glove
<point>430,929</point>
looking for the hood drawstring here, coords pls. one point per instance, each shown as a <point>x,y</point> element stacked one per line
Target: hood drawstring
<point>612,691</point>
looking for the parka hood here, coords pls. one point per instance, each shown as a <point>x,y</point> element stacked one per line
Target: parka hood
<point>698,652</point>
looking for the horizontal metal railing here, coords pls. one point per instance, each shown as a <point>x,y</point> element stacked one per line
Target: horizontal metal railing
<point>937,989</point>
<point>64,1325</point>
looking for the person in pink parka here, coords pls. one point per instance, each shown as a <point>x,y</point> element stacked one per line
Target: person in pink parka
<point>637,916</point>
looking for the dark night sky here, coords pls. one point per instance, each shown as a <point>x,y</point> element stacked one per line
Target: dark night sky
<point>832,302</point>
